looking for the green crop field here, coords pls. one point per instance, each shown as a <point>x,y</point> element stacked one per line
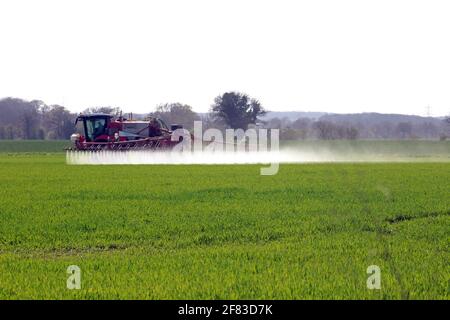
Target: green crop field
<point>33,146</point>
<point>223,232</point>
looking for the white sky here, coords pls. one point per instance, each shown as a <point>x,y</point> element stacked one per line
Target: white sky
<point>334,56</point>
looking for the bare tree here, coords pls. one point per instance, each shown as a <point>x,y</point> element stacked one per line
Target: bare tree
<point>324,130</point>
<point>176,113</point>
<point>106,110</point>
<point>59,122</point>
<point>404,129</point>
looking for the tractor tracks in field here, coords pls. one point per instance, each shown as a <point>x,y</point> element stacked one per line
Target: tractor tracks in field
<point>383,234</point>
<point>405,217</point>
<point>383,238</point>
<point>385,228</point>
<point>387,252</point>
<point>50,253</point>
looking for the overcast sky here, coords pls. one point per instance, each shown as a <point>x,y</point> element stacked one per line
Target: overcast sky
<point>334,56</point>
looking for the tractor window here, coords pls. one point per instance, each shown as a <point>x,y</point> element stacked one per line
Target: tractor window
<point>95,128</point>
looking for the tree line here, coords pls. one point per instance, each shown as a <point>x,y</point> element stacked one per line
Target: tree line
<point>362,126</point>
<point>21,119</point>
<point>35,119</point>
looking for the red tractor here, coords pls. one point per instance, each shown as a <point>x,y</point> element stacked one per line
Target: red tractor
<point>105,132</point>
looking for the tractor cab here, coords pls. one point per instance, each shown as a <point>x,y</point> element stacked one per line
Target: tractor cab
<point>94,127</point>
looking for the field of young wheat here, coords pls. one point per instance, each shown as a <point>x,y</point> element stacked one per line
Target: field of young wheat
<point>223,232</point>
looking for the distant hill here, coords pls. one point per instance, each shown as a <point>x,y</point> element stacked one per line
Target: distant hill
<point>293,115</point>
<point>350,117</point>
<point>389,126</point>
<point>373,118</point>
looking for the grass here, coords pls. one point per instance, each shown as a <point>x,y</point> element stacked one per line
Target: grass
<point>210,232</point>
<point>33,146</point>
